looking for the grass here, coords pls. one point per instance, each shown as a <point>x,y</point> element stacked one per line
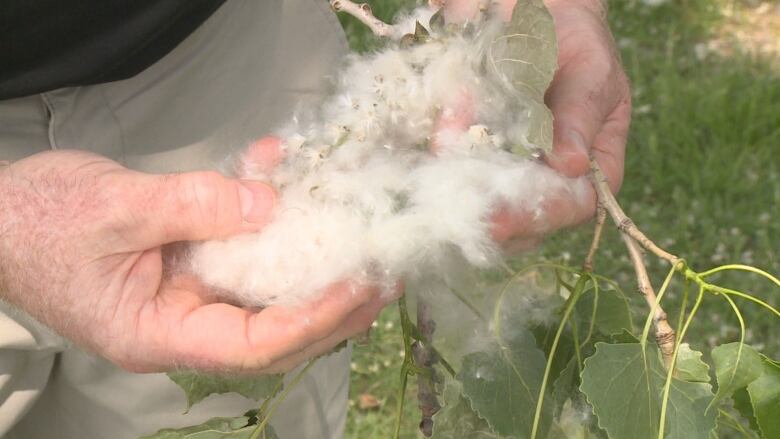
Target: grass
<point>702,179</point>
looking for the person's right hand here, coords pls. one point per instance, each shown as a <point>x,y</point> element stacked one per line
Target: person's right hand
<point>591,103</point>
<point>81,240</point>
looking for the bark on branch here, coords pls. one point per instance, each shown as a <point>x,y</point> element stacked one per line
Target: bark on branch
<point>601,216</point>
<point>425,357</point>
<point>633,238</point>
<point>362,11</point>
<point>620,218</point>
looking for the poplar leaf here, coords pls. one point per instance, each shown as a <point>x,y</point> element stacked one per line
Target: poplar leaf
<point>613,312</point>
<point>525,57</point>
<point>436,22</point>
<point>565,385</point>
<point>690,366</point>
<point>743,405</point>
<point>198,386</point>
<point>514,369</point>
<point>765,397</point>
<point>456,419</point>
<point>625,389</point>
<point>215,428</point>
<point>625,336</point>
<point>420,32</point>
<point>736,366</point>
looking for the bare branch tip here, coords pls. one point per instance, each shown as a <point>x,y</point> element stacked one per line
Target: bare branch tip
<point>363,12</point>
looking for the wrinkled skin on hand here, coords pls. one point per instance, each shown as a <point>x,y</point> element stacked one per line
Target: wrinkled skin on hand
<point>82,240</point>
<point>591,103</point>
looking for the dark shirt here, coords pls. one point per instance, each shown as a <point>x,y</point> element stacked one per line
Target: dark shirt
<point>48,44</point>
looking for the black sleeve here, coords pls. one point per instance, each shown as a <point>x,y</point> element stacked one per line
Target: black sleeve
<point>48,44</point>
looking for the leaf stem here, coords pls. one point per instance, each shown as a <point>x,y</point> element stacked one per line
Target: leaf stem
<point>469,305</point>
<point>576,335</point>
<point>740,267</point>
<point>741,343</point>
<point>670,371</point>
<point>721,290</point>
<point>406,369</point>
<point>683,305</point>
<point>264,406</point>
<point>296,379</point>
<point>579,287</point>
<point>594,312</point>
<point>735,424</point>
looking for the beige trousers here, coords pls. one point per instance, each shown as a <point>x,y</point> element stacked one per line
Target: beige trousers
<point>238,77</point>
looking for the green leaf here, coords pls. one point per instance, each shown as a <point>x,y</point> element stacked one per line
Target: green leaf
<point>436,23</point>
<point>525,57</point>
<point>743,405</point>
<point>198,386</point>
<point>625,389</point>
<point>456,419</point>
<point>420,32</point>
<point>624,336</point>
<point>613,313</point>
<point>215,428</point>
<point>690,366</point>
<point>565,385</point>
<point>512,369</point>
<point>765,397</point>
<point>736,366</point>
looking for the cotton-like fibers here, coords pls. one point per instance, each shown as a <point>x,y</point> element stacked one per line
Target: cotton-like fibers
<point>374,186</point>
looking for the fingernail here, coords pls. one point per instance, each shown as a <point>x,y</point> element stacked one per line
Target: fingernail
<point>257,201</point>
<point>576,139</point>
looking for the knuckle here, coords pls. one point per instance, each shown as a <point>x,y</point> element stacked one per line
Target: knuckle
<point>200,196</point>
<point>203,187</point>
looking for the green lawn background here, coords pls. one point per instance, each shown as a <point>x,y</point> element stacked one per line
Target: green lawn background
<point>702,178</point>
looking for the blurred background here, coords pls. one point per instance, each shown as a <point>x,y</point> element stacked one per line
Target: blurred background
<point>702,176</point>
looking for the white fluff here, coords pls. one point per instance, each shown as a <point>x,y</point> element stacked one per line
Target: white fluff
<point>363,197</point>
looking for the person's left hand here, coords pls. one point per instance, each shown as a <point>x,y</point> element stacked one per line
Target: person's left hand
<point>591,103</point>
<point>82,241</point>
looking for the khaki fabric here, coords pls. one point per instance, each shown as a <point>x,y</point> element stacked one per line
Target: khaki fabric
<point>238,77</point>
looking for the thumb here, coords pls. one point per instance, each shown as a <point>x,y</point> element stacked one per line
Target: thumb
<point>578,120</point>
<point>205,205</point>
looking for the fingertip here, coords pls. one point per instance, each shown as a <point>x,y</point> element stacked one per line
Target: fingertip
<point>257,201</point>
<point>261,156</point>
<point>455,119</point>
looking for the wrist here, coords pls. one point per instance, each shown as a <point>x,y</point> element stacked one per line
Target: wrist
<point>4,209</point>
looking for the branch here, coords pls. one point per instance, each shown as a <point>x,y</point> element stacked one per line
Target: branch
<point>425,357</point>
<point>601,216</point>
<point>620,218</point>
<point>664,333</point>
<point>633,238</point>
<point>362,11</point>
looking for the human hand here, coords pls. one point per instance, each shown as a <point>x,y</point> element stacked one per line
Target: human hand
<point>590,101</point>
<point>81,244</point>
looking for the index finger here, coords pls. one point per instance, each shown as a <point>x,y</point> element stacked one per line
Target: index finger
<point>222,337</point>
